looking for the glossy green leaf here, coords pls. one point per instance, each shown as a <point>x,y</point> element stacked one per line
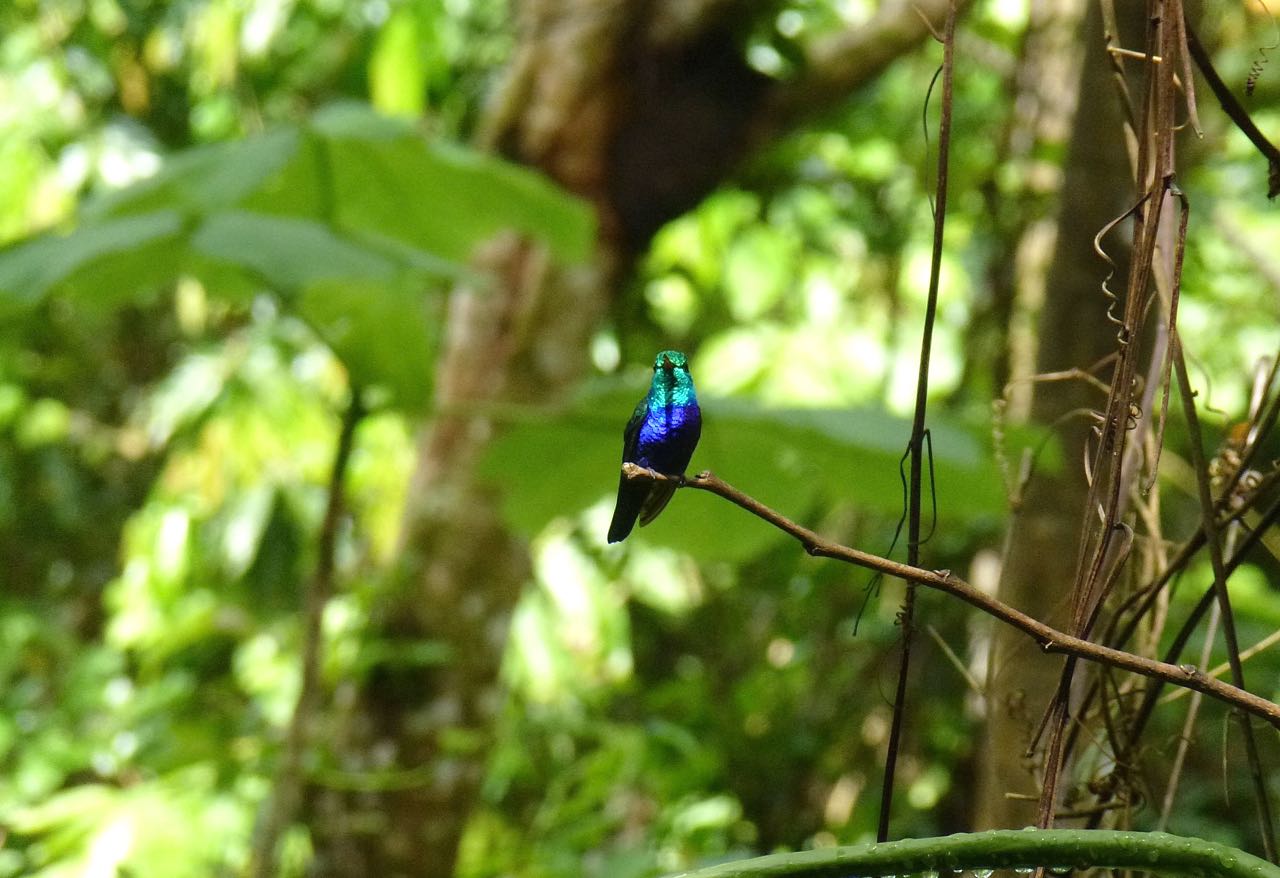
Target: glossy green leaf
<point>351,215</point>
<point>790,459</point>
<point>203,178</point>
<point>446,199</point>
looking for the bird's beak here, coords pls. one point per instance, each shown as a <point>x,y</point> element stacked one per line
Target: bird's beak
<point>668,364</point>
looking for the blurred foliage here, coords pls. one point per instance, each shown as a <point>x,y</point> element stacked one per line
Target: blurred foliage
<point>350,216</point>
<point>703,691</point>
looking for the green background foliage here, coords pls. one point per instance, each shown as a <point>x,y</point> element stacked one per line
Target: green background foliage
<point>217,219</point>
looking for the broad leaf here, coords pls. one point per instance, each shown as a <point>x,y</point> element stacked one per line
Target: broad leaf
<point>352,218</point>
<point>288,254</point>
<point>382,333</point>
<point>118,252</point>
<point>789,459</point>
<point>203,178</point>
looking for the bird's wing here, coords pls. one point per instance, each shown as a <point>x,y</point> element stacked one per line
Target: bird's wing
<point>632,496</point>
<point>631,432</point>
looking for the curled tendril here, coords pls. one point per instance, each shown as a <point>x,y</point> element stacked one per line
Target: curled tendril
<point>1135,415</point>
<point>1122,334</point>
<point>1255,69</point>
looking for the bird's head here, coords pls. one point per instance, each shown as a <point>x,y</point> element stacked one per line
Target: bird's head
<point>671,360</point>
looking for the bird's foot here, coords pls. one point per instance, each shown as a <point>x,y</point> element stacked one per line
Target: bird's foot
<point>636,471</point>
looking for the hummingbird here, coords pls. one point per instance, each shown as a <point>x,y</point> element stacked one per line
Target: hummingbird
<point>660,436</point>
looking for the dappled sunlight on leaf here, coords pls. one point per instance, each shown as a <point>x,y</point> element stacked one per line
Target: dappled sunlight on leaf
<point>176,825</point>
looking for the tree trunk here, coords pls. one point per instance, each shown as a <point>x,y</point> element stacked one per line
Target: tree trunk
<point>1039,568</point>
<point>641,108</point>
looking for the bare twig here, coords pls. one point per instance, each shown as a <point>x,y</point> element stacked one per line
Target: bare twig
<point>1218,670</point>
<point>1139,604</point>
<point>1237,113</point>
<point>956,662</point>
<point>1111,35</point>
<point>1188,81</point>
<point>1050,639</point>
<point>836,65</point>
<point>281,808</point>
<point>1183,636</point>
<point>1114,467</point>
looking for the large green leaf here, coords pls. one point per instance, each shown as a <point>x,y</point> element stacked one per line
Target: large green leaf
<point>288,254</point>
<point>789,459</point>
<point>128,252</point>
<point>417,194</point>
<point>203,178</point>
<point>353,218</point>
<point>382,333</point>
<point>364,173</point>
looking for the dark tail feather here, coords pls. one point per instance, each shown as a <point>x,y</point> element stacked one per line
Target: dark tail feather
<point>659,496</point>
<point>631,497</point>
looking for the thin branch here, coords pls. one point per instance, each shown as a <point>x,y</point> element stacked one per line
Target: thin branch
<point>1139,604</point>
<point>282,807</point>
<point>1237,113</point>
<point>1050,639</point>
<point>1183,636</point>
<point>956,661</point>
<point>1210,523</point>
<point>1218,670</point>
<point>1114,466</point>
<point>1189,83</point>
<point>837,65</point>
<point>1111,34</point>
<point>916,447</point>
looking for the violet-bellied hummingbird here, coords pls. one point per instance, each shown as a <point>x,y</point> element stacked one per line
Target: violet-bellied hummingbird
<point>660,436</point>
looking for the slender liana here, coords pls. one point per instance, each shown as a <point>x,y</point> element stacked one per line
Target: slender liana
<point>660,436</point>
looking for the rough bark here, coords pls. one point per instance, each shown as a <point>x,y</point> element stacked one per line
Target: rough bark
<point>1039,567</point>
<point>642,108</point>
